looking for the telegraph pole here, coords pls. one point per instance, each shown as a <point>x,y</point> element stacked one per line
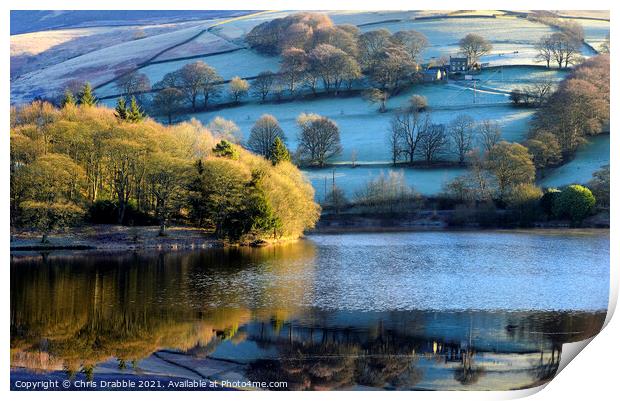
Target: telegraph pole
<point>325,190</point>
<point>474,90</point>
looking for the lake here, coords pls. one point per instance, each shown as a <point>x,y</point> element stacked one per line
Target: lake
<point>421,310</point>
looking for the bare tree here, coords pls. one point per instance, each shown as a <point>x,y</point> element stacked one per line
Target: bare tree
<point>394,142</point>
<point>413,41</point>
<point>479,177</point>
<point>461,131</point>
<point>474,46</point>
<point>538,92</point>
<point>490,134</point>
<point>409,127</point>
<point>544,47</point>
<point>433,141</point>
<point>332,65</point>
<point>370,44</point>
<point>319,139</point>
<point>379,96</point>
<point>192,79</point>
<point>170,80</point>
<point>210,84</point>
<point>263,134</point>
<point>238,88</point>
<point>293,68</point>
<point>565,49</point>
<point>168,102</point>
<point>392,67</point>
<point>263,84</point>
<point>133,84</point>
<point>225,129</point>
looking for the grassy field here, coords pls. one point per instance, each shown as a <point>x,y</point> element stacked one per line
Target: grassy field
<point>590,158</point>
<point>363,128</point>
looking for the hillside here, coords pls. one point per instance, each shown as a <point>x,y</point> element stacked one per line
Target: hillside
<point>175,39</point>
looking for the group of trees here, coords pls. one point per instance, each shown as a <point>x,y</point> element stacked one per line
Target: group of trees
<point>413,134</point>
<point>559,47</point>
<point>197,85</point>
<point>315,55</point>
<point>68,163</point>
<point>533,95</point>
<point>577,109</point>
<point>133,83</point>
<point>496,173</point>
<point>505,176</point>
<point>562,47</point>
<point>316,52</point>
<point>318,139</point>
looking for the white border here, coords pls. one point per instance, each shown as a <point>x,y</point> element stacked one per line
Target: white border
<point>593,375</point>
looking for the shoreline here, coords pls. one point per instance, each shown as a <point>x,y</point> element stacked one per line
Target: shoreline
<point>114,238</point>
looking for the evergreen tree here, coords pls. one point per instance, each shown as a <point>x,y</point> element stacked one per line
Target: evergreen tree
<point>68,100</point>
<point>135,113</point>
<point>86,96</point>
<point>121,109</point>
<point>278,152</point>
<point>225,149</point>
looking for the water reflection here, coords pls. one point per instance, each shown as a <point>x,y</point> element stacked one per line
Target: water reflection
<point>245,314</point>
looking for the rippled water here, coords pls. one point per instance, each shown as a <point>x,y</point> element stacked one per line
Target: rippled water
<point>429,310</point>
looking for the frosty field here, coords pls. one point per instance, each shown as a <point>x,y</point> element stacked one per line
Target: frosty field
<point>37,50</point>
<point>595,30</point>
<point>507,34</point>
<point>363,128</point>
<point>588,159</point>
<point>351,180</point>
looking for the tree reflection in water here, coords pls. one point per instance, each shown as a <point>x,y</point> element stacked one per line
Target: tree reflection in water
<point>72,312</point>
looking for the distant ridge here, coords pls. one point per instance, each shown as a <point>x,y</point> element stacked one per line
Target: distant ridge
<point>25,21</point>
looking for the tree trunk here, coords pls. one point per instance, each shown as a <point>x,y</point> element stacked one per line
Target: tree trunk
<point>121,212</point>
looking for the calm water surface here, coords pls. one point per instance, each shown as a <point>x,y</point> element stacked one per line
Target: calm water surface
<point>432,310</point>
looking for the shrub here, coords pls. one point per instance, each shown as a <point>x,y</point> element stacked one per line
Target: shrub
<point>523,200</point>
<point>548,199</point>
<point>387,193</point>
<point>106,212</point>
<point>225,149</point>
<point>336,199</point>
<point>575,202</point>
<point>47,217</point>
<point>599,185</point>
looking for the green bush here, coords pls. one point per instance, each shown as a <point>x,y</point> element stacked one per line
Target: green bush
<point>575,202</point>
<point>548,200</point>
